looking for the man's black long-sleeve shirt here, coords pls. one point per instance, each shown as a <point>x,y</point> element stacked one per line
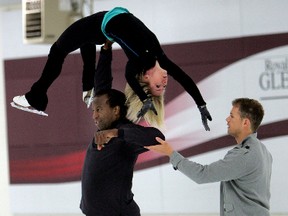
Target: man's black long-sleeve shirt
<point>107,174</point>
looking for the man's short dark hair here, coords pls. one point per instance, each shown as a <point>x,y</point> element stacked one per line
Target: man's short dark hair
<point>115,98</point>
<point>251,109</point>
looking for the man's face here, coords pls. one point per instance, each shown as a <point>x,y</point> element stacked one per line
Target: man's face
<point>234,122</point>
<point>103,114</point>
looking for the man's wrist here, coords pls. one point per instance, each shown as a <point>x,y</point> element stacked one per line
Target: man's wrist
<point>107,45</point>
<point>169,153</point>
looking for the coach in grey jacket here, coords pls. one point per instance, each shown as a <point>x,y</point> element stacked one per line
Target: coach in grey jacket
<point>244,172</point>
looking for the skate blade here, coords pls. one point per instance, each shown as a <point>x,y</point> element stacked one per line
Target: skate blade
<point>90,99</point>
<point>26,109</point>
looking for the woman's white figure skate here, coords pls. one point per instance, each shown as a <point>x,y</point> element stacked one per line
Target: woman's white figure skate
<point>20,102</point>
<point>88,97</point>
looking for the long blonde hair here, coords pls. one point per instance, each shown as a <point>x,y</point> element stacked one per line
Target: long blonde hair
<point>135,104</point>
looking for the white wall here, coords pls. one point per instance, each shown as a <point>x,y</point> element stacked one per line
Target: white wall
<point>161,189</point>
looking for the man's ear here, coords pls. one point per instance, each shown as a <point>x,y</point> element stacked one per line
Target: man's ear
<point>117,110</point>
<point>247,123</point>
